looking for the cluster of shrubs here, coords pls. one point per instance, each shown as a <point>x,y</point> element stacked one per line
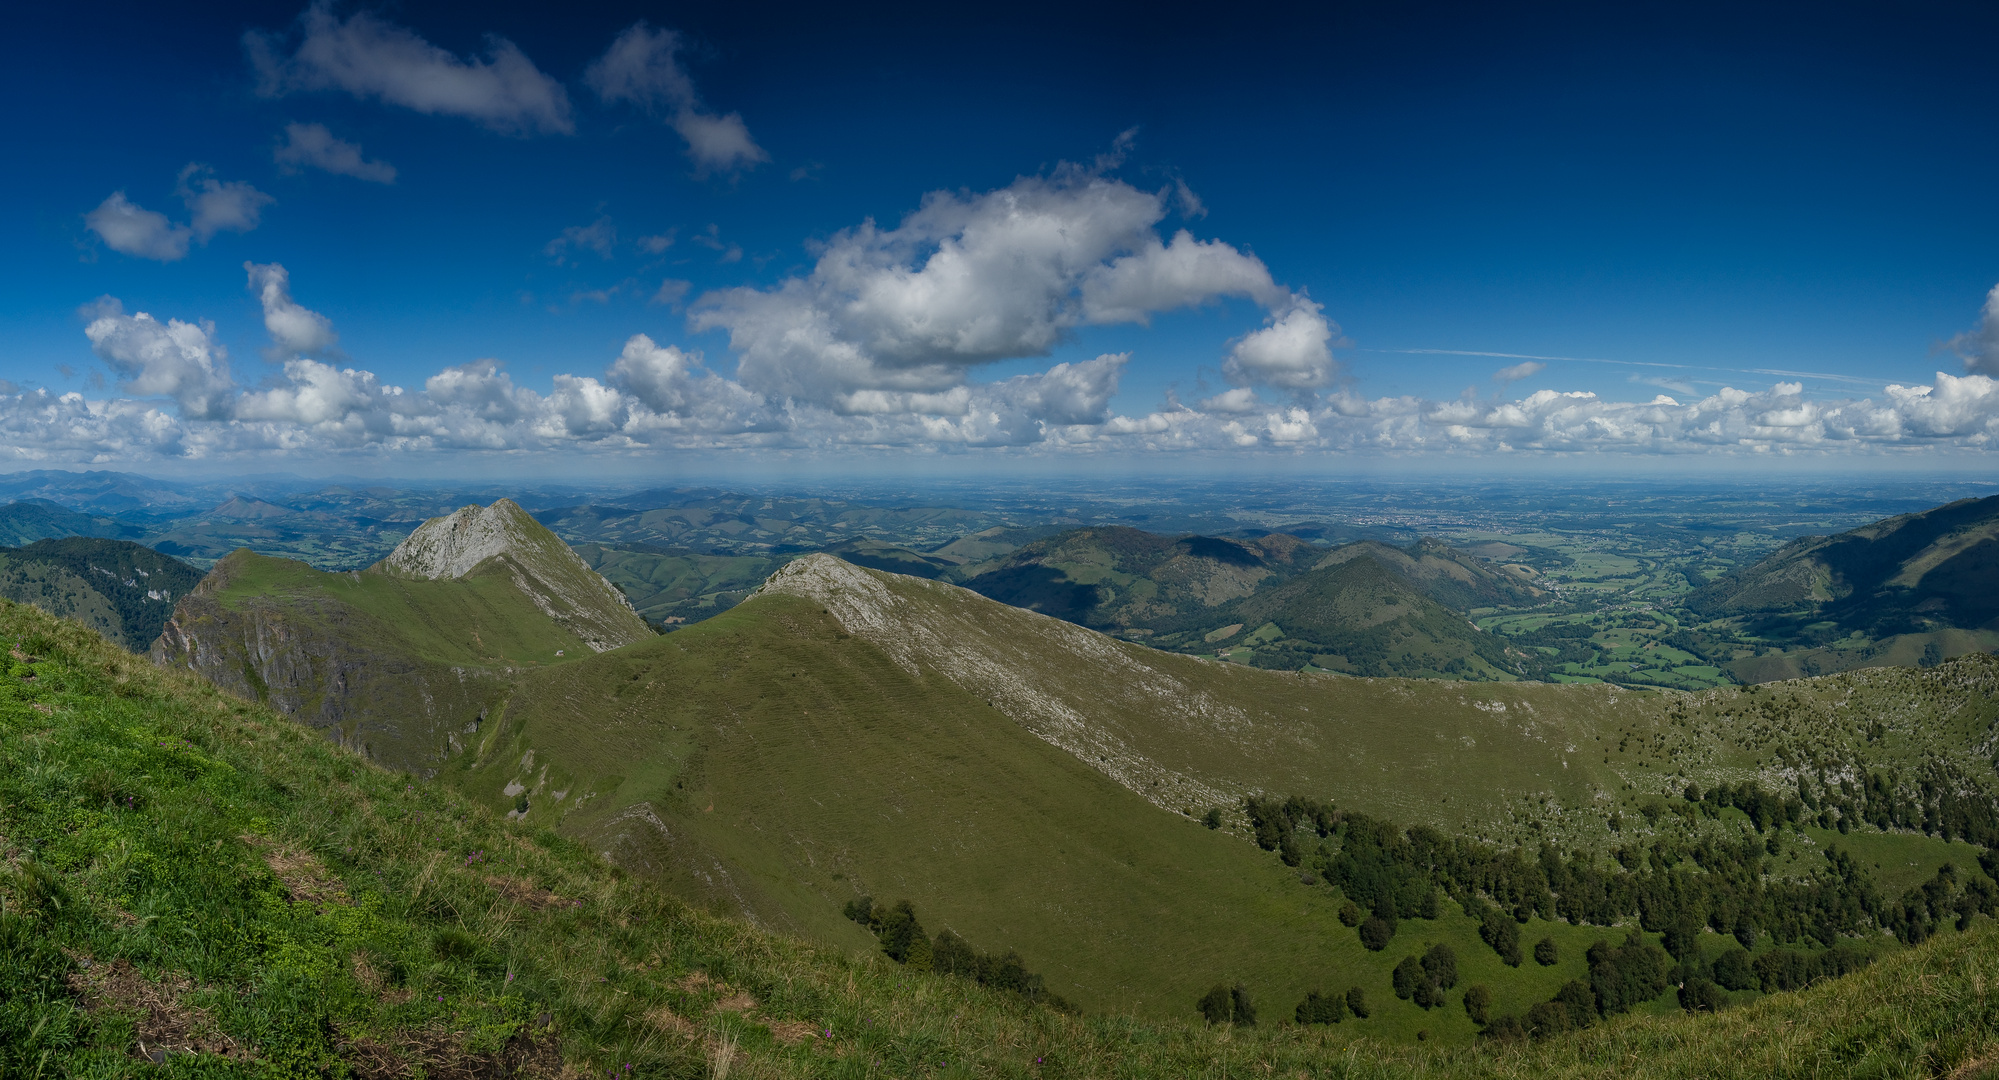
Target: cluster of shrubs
<point>1227,1004</point>
<point>1927,907</point>
<point>1322,1008</point>
<point>903,941</point>
<point>1424,979</point>
<point>1675,887</point>
<point>1619,977</point>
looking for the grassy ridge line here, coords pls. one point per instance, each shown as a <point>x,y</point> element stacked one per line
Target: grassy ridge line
<point>604,966</point>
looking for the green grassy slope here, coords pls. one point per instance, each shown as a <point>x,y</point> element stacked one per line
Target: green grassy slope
<point>194,874</point>
<point>404,659</point>
<point>782,784</point>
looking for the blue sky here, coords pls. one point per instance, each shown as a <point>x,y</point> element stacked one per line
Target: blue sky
<point>427,238</point>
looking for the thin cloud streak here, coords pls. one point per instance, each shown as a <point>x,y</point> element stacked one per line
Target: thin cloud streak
<point>1784,373</point>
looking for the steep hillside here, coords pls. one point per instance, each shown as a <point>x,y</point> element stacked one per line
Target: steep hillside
<point>403,659</point>
<point>1916,587</point>
<point>119,589</point>
<point>194,881</point>
<point>1939,568</point>
<point>502,538</point>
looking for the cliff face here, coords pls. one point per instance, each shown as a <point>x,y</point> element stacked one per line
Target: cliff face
<point>331,668</point>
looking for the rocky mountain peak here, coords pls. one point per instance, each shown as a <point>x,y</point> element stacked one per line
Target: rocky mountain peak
<point>452,545</point>
<point>505,537</point>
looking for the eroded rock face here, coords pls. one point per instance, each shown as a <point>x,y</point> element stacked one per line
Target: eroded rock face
<point>452,545</point>
<point>504,538</point>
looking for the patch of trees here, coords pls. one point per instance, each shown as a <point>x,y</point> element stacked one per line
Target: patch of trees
<point>1620,977</point>
<point>1321,1008</point>
<point>1943,899</point>
<point>903,941</point>
<point>1673,886</point>
<point>1424,979</point>
<point>1227,1005</point>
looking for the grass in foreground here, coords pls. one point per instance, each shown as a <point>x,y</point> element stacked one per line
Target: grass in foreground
<point>197,876</point>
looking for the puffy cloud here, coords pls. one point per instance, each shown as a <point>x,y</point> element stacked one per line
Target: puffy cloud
<point>369,58</point>
<point>680,395</point>
<point>217,206</point>
<point>294,328</point>
<point>641,69</point>
<point>969,279</point>
<point>126,227</point>
<point>1292,352</point>
<point>1526,369</point>
<point>344,404</point>
<point>1236,402</point>
<point>1290,427</point>
<point>1159,277</point>
<point>1980,346</point>
<point>174,359</point>
<point>213,206</point>
<point>312,146</point>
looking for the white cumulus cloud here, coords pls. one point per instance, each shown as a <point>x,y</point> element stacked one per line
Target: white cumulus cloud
<point>1980,346</point>
<point>641,68</point>
<point>294,328</point>
<point>1292,352</point>
<point>313,146</point>
<point>969,279</point>
<point>368,57</point>
<point>213,206</point>
<point>173,359</point>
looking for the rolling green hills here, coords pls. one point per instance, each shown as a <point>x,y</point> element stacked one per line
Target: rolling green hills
<point>29,520</point>
<point>191,876</point>
<point>1274,600</point>
<point>1035,786</point>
